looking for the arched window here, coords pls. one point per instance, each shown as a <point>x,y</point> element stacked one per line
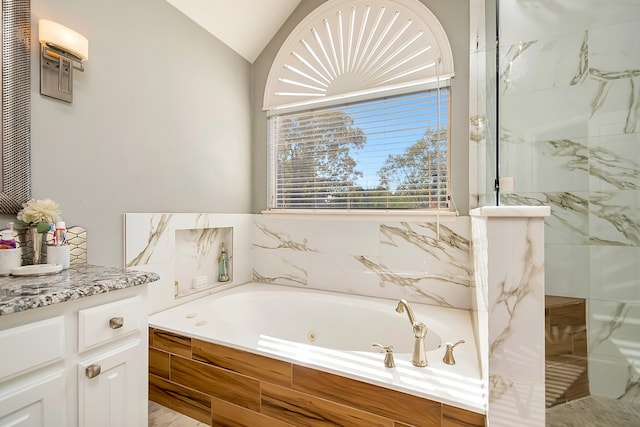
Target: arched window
<point>358,109</point>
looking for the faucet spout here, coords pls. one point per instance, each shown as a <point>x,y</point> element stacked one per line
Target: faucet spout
<point>419,329</point>
<point>404,306</point>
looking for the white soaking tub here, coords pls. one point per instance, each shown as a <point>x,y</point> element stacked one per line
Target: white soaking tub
<point>335,332</point>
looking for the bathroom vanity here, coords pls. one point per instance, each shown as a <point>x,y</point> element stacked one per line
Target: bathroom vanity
<point>73,348</point>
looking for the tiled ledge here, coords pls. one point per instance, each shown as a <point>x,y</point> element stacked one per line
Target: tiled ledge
<point>511,211</point>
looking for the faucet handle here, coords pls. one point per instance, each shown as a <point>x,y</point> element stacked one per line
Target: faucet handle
<point>448,354</point>
<point>388,357</point>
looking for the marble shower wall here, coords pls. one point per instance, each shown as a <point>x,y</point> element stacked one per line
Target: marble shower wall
<point>570,123</point>
<point>415,260</point>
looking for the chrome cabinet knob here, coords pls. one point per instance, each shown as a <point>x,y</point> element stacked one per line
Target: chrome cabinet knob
<point>116,322</point>
<point>92,371</point>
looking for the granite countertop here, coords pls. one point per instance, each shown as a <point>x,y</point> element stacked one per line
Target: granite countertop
<point>25,293</point>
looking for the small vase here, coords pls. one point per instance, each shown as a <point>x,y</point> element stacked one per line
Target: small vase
<point>36,241</point>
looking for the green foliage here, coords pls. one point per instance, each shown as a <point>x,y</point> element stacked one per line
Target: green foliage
<point>418,176</point>
<point>325,156</point>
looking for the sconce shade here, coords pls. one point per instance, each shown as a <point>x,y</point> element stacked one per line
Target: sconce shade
<point>56,35</point>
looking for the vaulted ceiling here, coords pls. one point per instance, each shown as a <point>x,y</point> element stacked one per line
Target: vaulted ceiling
<point>246,26</point>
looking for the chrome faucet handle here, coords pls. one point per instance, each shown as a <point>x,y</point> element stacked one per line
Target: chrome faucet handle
<point>388,357</point>
<point>448,353</point>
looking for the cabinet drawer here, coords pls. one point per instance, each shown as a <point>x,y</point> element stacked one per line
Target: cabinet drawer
<point>104,323</point>
<point>31,346</point>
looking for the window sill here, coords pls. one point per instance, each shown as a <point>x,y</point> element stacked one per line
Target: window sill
<point>364,214</point>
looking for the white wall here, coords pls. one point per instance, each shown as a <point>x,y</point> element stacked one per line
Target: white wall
<point>160,121</point>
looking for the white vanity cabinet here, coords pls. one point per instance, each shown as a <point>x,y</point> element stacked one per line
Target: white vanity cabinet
<point>112,380</point>
<point>81,363</point>
<point>29,396</point>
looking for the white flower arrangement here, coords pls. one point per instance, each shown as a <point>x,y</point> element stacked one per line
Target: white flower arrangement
<point>39,214</point>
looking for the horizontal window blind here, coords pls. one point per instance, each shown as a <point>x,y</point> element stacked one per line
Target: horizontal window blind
<point>389,153</point>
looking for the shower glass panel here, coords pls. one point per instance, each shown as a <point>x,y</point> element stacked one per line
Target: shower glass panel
<point>483,123</point>
<point>568,102</point>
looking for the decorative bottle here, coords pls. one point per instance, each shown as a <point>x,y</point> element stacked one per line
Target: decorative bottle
<point>223,265</point>
<point>7,241</point>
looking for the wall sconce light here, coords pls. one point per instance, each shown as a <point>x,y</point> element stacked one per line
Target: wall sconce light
<point>61,51</point>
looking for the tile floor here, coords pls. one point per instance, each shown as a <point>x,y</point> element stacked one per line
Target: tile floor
<point>593,411</point>
<point>159,416</point>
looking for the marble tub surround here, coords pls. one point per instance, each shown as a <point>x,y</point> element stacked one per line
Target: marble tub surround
<point>183,246</point>
<point>419,260</point>
<point>508,248</point>
<point>18,294</point>
<point>426,260</point>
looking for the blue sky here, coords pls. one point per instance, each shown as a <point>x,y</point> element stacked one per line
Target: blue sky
<point>391,126</point>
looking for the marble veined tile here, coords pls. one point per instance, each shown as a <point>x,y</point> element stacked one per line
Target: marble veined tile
<point>553,114</point>
<point>615,378</point>
<point>614,328</point>
<point>280,234</point>
<point>534,20</point>
<point>614,162</point>
<point>614,349</point>
<point>344,237</point>
<point>446,242</point>
<point>342,273</point>
<point>614,218</point>
<point>614,47</point>
<point>433,289</point>
<point>614,273</point>
<point>431,282</point>
<point>609,68</point>
<point>516,271</point>
<point>150,239</point>
<point>539,64</point>
<point>566,271</point>
<point>568,222</point>
<point>516,401</point>
<point>612,11</point>
<point>547,166</point>
<point>280,267</point>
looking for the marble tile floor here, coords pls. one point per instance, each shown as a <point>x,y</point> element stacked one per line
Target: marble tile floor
<point>594,411</point>
<point>160,416</point>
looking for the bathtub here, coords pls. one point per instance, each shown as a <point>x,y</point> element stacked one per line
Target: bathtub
<point>335,333</point>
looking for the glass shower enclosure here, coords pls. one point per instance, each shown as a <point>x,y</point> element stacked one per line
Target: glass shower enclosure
<point>555,110</point>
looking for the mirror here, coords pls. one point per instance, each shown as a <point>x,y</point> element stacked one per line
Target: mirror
<point>15,158</point>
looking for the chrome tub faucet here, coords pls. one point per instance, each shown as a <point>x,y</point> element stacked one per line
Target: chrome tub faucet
<point>419,356</point>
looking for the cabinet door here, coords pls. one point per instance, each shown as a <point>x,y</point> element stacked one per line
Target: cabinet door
<point>37,403</point>
<point>112,389</point>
